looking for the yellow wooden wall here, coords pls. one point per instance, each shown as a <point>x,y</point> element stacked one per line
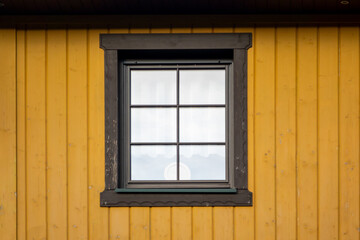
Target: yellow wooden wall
<point>303,140</point>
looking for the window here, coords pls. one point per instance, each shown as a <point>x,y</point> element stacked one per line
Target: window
<point>176,120</point>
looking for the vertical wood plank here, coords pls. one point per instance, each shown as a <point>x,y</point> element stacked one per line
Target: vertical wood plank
<point>285,133</point>
<point>119,218</point>
<point>307,132</point>
<point>265,133</point>
<point>20,131</point>
<point>349,133</point>
<point>223,223</point>
<point>119,223</point>
<point>98,217</point>
<point>244,216</point>
<point>35,135</point>
<point>160,222</point>
<point>202,223</point>
<point>8,134</point>
<point>139,223</point>
<point>181,223</point>
<point>77,134</point>
<point>56,134</point>
<point>328,133</point>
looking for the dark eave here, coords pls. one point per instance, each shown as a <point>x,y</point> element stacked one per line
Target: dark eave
<point>176,13</point>
<point>138,21</point>
<point>155,7</point>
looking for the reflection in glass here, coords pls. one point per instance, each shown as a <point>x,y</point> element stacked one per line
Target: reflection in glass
<point>153,124</point>
<point>153,87</point>
<point>150,162</point>
<point>202,86</point>
<point>205,162</point>
<point>202,124</point>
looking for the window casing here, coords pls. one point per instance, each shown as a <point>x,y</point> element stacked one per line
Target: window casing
<point>130,52</point>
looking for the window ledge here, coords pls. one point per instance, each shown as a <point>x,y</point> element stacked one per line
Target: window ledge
<point>174,190</point>
<point>111,198</point>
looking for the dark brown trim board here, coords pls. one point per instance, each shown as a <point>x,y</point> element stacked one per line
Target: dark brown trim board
<point>114,46</point>
<point>112,199</point>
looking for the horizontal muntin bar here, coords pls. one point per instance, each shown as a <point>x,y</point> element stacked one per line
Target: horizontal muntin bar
<point>180,106</point>
<point>174,143</point>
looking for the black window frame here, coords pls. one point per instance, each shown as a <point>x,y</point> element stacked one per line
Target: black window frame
<point>178,65</point>
<point>116,192</point>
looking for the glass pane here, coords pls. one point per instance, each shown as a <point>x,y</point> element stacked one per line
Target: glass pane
<point>202,124</point>
<point>202,163</point>
<point>153,162</point>
<point>202,86</point>
<point>153,87</point>
<point>153,125</point>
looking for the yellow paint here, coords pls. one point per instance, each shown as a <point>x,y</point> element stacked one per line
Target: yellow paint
<point>35,135</point>
<point>265,162</point>
<point>349,134</point>
<point>20,131</point>
<point>56,134</point>
<point>307,123</point>
<point>303,137</point>
<point>8,134</point>
<point>328,136</point>
<point>285,140</point>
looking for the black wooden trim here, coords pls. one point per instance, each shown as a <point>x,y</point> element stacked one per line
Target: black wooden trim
<point>139,21</point>
<point>174,41</point>
<point>110,198</point>
<point>114,114</point>
<point>240,119</point>
<point>111,119</point>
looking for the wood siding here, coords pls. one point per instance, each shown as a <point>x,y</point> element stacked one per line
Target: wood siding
<point>303,101</point>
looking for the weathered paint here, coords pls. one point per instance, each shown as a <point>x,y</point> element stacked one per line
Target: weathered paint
<point>303,101</point>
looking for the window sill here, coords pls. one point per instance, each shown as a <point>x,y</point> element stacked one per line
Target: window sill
<point>174,190</point>
<point>111,198</point>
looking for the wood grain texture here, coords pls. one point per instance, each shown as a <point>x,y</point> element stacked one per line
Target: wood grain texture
<point>181,223</point>
<point>160,222</point>
<point>325,140</point>
<point>223,223</point>
<point>349,133</point>
<point>307,123</point>
<point>139,223</point>
<point>56,90</point>
<point>202,220</point>
<point>264,46</point>
<point>328,133</point>
<point>285,133</point>
<point>8,134</point>
<point>20,132</point>
<point>77,105</point>
<point>35,136</point>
